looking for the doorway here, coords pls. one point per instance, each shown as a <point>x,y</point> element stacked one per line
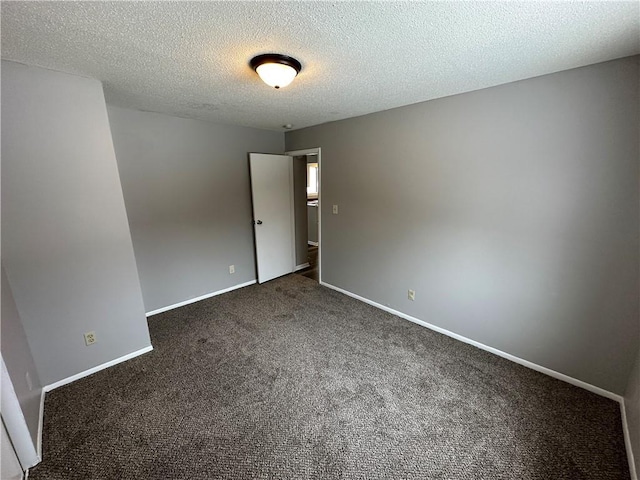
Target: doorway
<point>307,186</point>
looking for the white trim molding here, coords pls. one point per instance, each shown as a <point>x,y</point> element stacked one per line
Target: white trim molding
<point>78,376</point>
<point>15,423</point>
<point>301,267</point>
<point>306,151</point>
<point>86,373</point>
<point>41,423</point>
<point>627,441</point>
<point>197,299</point>
<point>539,368</point>
<point>315,151</point>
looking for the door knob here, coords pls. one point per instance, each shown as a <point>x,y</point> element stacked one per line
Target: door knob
<point>259,222</point>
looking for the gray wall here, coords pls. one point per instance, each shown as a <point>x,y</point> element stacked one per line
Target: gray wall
<point>300,204</point>
<point>312,221</point>
<point>187,191</point>
<point>632,407</point>
<point>512,211</point>
<point>66,246</point>
<point>19,361</point>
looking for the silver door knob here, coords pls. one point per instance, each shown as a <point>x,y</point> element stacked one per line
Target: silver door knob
<point>259,222</point>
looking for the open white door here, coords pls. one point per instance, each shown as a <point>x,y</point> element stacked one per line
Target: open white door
<point>272,193</point>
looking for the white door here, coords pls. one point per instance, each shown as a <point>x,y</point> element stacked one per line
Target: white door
<point>272,193</point>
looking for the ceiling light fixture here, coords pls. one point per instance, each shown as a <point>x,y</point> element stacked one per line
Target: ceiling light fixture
<point>276,70</point>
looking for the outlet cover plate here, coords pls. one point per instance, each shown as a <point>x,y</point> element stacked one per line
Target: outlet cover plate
<point>90,338</point>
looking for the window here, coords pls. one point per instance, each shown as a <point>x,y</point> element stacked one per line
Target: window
<point>312,180</point>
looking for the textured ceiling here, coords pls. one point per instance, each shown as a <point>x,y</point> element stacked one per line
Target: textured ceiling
<point>191,58</point>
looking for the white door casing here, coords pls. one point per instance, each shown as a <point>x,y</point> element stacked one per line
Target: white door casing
<point>15,423</point>
<point>10,468</point>
<point>315,151</point>
<point>272,195</point>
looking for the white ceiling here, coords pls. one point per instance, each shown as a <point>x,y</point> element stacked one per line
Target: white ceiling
<point>191,58</point>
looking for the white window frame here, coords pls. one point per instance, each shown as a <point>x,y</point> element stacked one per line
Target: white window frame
<point>312,190</point>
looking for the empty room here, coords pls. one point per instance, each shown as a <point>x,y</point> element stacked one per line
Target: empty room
<point>320,240</point>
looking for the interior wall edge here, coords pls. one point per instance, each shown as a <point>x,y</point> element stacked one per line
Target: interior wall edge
<point>627,440</point>
<point>526,363</point>
<point>86,373</point>
<point>201,297</point>
<point>538,368</point>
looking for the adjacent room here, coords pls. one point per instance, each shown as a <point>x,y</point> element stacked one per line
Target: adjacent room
<point>320,240</point>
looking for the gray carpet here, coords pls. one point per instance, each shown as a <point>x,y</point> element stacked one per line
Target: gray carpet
<point>291,380</point>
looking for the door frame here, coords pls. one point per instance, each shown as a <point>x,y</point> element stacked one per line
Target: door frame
<point>308,151</point>
<point>15,423</point>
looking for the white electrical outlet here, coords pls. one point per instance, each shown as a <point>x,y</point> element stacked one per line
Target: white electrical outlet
<point>90,338</point>
<point>412,295</point>
<point>335,209</point>
<point>232,269</point>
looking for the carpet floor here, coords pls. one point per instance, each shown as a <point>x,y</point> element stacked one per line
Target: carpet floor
<point>291,380</point>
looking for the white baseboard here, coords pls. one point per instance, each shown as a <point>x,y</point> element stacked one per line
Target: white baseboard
<point>627,441</point>
<point>78,376</point>
<point>547,371</point>
<point>197,299</point>
<point>301,267</point>
<point>40,423</point>
<point>315,244</point>
<point>86,373</point>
